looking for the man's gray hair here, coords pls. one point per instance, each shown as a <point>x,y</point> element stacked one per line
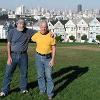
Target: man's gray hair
<point>43,21</point>
<point>21,20</point>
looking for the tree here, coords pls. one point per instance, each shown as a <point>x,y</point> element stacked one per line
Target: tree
<point>43,18</point>
<point>4,17</point>
<point>72,38</point>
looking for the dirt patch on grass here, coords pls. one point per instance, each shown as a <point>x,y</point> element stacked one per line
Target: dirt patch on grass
<point>3,49</point>
<point>90,48</point>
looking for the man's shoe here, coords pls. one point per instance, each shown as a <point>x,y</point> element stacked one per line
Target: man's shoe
<point>2,94</point>
<point>24,91</point>
<point>49,98</point>
<point>41,93</point>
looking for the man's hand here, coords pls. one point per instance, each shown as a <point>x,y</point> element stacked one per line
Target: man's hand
<point>51,63</point>
<point>9,61</point>
<point>51,34</point>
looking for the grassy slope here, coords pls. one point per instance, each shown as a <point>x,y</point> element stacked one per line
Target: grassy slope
<point>76,74</point>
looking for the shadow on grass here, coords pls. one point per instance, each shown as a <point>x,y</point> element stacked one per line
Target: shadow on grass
<point>31,85</point>
<point>67,75</point>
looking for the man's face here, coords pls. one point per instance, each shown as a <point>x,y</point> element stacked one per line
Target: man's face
<point>20,25</point>
<point>43,28</point>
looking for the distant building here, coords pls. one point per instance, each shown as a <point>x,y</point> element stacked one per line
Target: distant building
<point>5,26</point>
<point>20,10</point>
<point>79,8</point>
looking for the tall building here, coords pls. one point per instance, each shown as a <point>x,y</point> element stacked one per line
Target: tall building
<point>79,8</point>
<point>20,10</point>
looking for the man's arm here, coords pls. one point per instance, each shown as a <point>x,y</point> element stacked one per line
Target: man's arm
<point>51,34</point>
<point>32,32</point>
<point>51,63</point>
<point>9,61</point>
<point>53,52</point>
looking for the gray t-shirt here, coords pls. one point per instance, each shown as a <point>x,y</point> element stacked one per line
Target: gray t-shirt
<point>19,39</point>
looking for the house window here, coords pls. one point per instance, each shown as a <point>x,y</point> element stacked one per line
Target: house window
<point>71,28</point>
<point>79,28</point>
<point>97,27</point>
<point>79,35</point>
<point>91,33</point>
<point>91,27</point>
<point>84,28</point>
<point>59,24</point>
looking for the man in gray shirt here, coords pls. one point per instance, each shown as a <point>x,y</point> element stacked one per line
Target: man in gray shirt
<point>17,46</point>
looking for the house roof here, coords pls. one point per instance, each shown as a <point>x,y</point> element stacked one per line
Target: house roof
<point>63,21</point>
<point>87,20</point>
<point>53,22</point>
<point>98,19</point>
<point>75,21</point>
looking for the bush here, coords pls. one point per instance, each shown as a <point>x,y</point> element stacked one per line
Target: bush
<point>3,40</point>
<point>84,37</point>
<point>72,38</point>
<point>93,41</point>
<point>59,38</point>
<point>98,37</point>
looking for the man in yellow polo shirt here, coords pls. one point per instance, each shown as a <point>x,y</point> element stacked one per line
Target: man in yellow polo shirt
<point>45,55</point>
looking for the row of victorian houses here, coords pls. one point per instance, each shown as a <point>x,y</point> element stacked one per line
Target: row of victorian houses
<point>77,28</point>
<point>66,28</point>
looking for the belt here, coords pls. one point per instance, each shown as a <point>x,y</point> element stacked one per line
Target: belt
<point>19,52</point>
<point>43,54</point>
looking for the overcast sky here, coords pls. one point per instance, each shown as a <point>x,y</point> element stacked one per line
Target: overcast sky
<point>51,4</point>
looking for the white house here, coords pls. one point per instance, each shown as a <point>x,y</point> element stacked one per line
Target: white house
<point>51,25</point>
<point>3,34</point>
<point>94,29</point>
<point>70,27</point>
<point>59,28</point>
<point>36,26</point>
<point>82,28</point>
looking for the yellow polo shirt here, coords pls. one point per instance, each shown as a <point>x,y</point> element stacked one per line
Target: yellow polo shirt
<point>44,42</point>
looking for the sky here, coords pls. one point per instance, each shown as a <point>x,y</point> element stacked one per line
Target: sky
<point>51,4</point>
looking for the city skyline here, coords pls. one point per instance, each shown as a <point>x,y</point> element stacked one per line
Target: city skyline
<point>51,4</point>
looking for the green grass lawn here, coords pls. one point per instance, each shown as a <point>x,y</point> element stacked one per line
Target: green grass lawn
<point>76,73</point>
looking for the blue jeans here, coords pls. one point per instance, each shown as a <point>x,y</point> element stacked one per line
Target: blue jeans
<point>44,71</point>
<point>22,61</point>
